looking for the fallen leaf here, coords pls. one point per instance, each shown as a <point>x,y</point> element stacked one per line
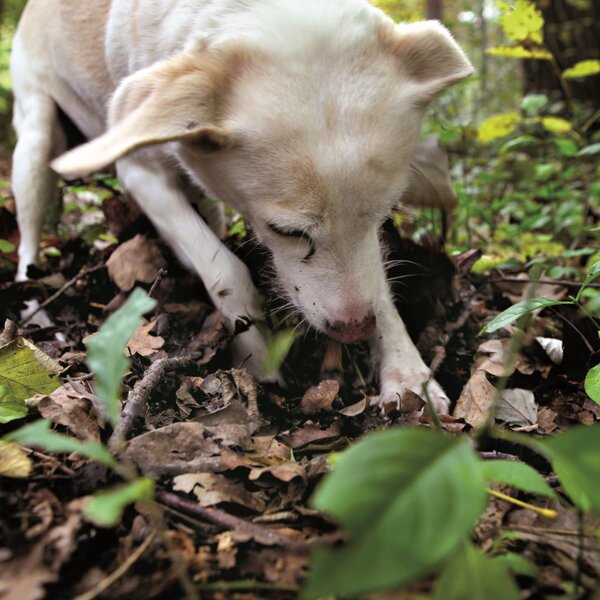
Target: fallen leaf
<point>143,343</point>
<point>137,259</point>
<point>355,409</point>
<point>552,347</point>
<point>26,371</point>
<point>475,399</point>
<point>65,406</point>
<point>547,419</point>
<point>517,407</point>
<point>311,433</point>
<point>212,489</point>
<point>14,462</point>
<point>320,398</point>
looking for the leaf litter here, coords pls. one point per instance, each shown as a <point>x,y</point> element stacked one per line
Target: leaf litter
<point>235,463</point>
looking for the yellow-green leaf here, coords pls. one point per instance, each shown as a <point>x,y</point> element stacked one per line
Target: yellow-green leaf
<point>585,68</point>
<point>13,461</point>
<point>25,370</point>
<point>498,126</point>
<point>522,21</point>
<point>556,125</point>
<point>520,52</point>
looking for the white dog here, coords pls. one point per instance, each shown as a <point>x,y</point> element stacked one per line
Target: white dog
<point>303,115</point>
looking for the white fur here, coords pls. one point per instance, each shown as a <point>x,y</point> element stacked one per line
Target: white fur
<point>318,114</point>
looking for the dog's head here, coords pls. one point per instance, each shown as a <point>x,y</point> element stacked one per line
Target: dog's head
<point>308,134</point>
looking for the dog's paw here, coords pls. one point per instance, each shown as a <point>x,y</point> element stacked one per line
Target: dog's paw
<point>398,393</point>
<point>250,352</point>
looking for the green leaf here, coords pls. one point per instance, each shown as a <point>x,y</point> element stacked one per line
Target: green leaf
<point>39,435</point>
<point>593,273</point>
<point>522,21</point>
<point>556,125</point>
<point>517,474</point>
<point>518,310</point>
<point>105,350</point>
<point>520,52</point>
<point>278,347</point>
<point>473,575</point>
<point>566,147</point>
<point>393,493</point>
<point>11,407</point>
<point>584,68</point>
<point>498,126</point>
<point>26,371</point>
<point>106,508</point>
<point>7,247</point>
<point>590,150</point>
<point>592,383</point>
<point>517,564</point>
<point>575,457</point>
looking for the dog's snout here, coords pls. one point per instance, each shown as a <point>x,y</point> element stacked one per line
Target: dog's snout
<point>354,330</point>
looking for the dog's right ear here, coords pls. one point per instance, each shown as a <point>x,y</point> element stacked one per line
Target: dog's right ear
<point>173,100</point>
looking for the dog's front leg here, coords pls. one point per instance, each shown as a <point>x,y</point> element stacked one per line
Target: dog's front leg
<point>226,278</point>
<point>401,367</point>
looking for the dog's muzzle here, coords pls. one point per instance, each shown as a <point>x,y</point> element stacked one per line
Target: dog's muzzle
<point>349,332</point>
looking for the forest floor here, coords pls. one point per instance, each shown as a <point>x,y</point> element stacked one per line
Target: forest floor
<point>235,463</point>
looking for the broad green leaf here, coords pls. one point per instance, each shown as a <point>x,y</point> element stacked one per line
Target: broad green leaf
<point>593,273</point>
<point>517,564</point>
<point>106,508</point>
<point>393,494</point>
<point>575,457</point>
<point>520,52</point>
<point>26,371</point>
<point>566,147</point>
<point>497,127</point>
<point>278,347</point>
<point>471,574</point>
<point>591,384</point>
<point>105,350</point>
<point>518,310</point>
<point>11,407</point>
<point>517,474</point>
<point>522,21</point>
<point>533,103</point>
<point>584,68</point>
<point>14,462</point>
<point>556,125</point>
<point>7,247</point>
<point>39,435</point>
<point>522,140</point>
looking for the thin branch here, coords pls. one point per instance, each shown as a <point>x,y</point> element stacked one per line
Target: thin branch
<point>84,272</point>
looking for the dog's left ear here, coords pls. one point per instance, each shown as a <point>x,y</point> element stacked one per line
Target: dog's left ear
<point>428,55</point>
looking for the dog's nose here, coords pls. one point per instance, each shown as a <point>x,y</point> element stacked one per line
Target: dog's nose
<point>351,331</point>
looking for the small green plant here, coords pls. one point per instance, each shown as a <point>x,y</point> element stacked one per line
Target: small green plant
<point>107,359</point>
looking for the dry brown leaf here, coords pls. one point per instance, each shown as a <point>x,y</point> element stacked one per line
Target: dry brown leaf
<point>66,406</point>
<point>212,489</point>
<point>284,472</point>
<point>311,433</point>
<point>143,343</point>
<point>355,409</point>
<point>475,399</point>
<point>14,462</point>
<point>547,419</point>
<point>320,397</point>
<point>517,407</point>
<point>137,259</point>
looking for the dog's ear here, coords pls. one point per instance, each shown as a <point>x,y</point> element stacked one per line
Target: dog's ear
<point>173,100</point>
<point>428,54</point>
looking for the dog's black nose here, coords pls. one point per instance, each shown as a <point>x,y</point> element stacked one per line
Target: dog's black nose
<point>349,332</point>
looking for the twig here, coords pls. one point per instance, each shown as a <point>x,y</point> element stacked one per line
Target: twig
<point>9,333</point>
<point>545,512</point>
<point>261,534</point>
<point>495,455</point>
<point>115,575</point>
<point>136,399</point>
<point>84,272</point>
<point>563,282</point>
<point>246,585</point>
<point>159,277</point>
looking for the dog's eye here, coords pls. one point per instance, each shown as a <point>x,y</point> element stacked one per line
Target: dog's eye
<point>295,233</point>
